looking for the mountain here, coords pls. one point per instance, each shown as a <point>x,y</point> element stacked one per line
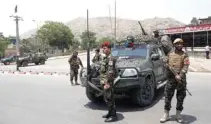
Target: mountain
<point>102,26</point>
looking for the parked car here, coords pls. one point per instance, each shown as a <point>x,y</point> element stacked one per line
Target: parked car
<point>8,60</point>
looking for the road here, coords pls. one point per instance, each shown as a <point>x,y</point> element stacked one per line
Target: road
<point>36,99</point>
<point>61,66</point>
<point>56,65</point>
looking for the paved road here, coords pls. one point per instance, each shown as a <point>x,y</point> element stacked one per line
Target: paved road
<point>56,65</point>
<point>30,99</point>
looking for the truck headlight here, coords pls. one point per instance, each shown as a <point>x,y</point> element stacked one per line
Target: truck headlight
<point>129,73</point>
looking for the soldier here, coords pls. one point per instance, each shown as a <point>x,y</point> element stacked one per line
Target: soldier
<point>97,58</point>
<point>107,73</point>
<point>74,62</point>
<point>178,60</point>
<point>156,33</point>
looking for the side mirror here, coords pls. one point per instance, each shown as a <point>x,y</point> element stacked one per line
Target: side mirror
<point>155,57</point>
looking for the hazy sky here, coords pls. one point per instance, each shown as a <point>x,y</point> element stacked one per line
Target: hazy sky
<point>66,10</point>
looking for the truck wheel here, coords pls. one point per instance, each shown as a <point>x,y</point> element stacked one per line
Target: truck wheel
<point>42,62</point>
<point>144,96</point>
<point>91,96</point>
<point>24,63</point>
<point>36,63</point>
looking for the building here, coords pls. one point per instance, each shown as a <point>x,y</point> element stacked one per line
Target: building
<point>193,36</point>
<point>205,20</point>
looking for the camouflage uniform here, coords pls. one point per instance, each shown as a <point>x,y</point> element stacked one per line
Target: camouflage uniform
<point>97,58</point>
<point>179,62</point>
<point>74,62</point>
<point>107,76</point>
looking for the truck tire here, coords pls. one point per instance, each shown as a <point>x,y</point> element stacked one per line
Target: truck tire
<point>24,63</point>
<point>91,96</point>
<point>144,95</point>
<point>42,61</point>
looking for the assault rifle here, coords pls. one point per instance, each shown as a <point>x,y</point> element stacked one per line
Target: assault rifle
<point>179,81</point>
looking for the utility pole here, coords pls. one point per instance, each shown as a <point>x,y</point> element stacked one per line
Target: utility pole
<point>17,18</point>
<point>115,25</point>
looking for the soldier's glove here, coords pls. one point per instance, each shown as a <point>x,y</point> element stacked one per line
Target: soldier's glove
<point>106,86</point>
<point>178,77</point>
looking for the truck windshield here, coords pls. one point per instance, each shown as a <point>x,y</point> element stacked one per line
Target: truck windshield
<point>139,52</point>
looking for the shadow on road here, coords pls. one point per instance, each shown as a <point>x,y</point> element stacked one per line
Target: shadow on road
<point>188,119</point>
<point>126,105</point>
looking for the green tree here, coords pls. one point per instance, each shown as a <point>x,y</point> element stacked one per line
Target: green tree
<point>75,44</point>
<point>56,34</point>
<point>4,41</point>
<point>194,21</point>
<point>84,39</point>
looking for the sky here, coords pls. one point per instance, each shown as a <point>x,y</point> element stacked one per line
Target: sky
<point>66,10</point>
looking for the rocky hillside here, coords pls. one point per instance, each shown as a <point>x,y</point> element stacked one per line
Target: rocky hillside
<point>102,26</point>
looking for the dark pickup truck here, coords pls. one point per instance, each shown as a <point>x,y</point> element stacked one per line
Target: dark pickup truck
<point>36,58</point>
<point>140,72</point>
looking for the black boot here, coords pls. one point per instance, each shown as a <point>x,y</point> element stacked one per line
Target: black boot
<point>76,83</point>
<point>71,82</point>
<point>107,115</point>
<point>112,117</point>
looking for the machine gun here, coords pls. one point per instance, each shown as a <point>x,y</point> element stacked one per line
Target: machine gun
<point>142,29</point>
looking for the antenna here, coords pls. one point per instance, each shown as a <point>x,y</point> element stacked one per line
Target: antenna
<point>88,44</point>
<point>110,15</point>
<point>115,24</point>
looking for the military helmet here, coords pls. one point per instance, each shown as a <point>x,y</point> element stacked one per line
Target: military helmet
<point>130,38</point>
<point>178,40</point>
<point>75,53</point>
<point>97,50</point>
<point>155,31</point>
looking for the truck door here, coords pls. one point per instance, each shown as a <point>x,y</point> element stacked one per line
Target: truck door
<point>157,66</point>
<point>162,64</point>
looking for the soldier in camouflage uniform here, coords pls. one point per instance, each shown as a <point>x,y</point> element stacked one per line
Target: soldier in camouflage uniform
<point>178,60</point>
<point>74,62</point>
<point>97,58</point>
<point>107,73</point>
<point>156,34</point>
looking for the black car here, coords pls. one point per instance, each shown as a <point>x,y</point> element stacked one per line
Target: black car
<point>140,72</point>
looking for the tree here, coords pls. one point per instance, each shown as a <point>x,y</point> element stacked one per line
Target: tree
<point>75,44</point>
<point>4,41</point>
<point>194,21</point>
<point>84,39</point>
<point>56,34</point>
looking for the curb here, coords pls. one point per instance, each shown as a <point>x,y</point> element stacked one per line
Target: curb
<point>192,68</point>
<point>35,73</point>
<point>67,56</point>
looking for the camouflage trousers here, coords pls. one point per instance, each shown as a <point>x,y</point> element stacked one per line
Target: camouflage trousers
<point>74,74</point>
<point>170,88</point>
<point>110,99</point>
